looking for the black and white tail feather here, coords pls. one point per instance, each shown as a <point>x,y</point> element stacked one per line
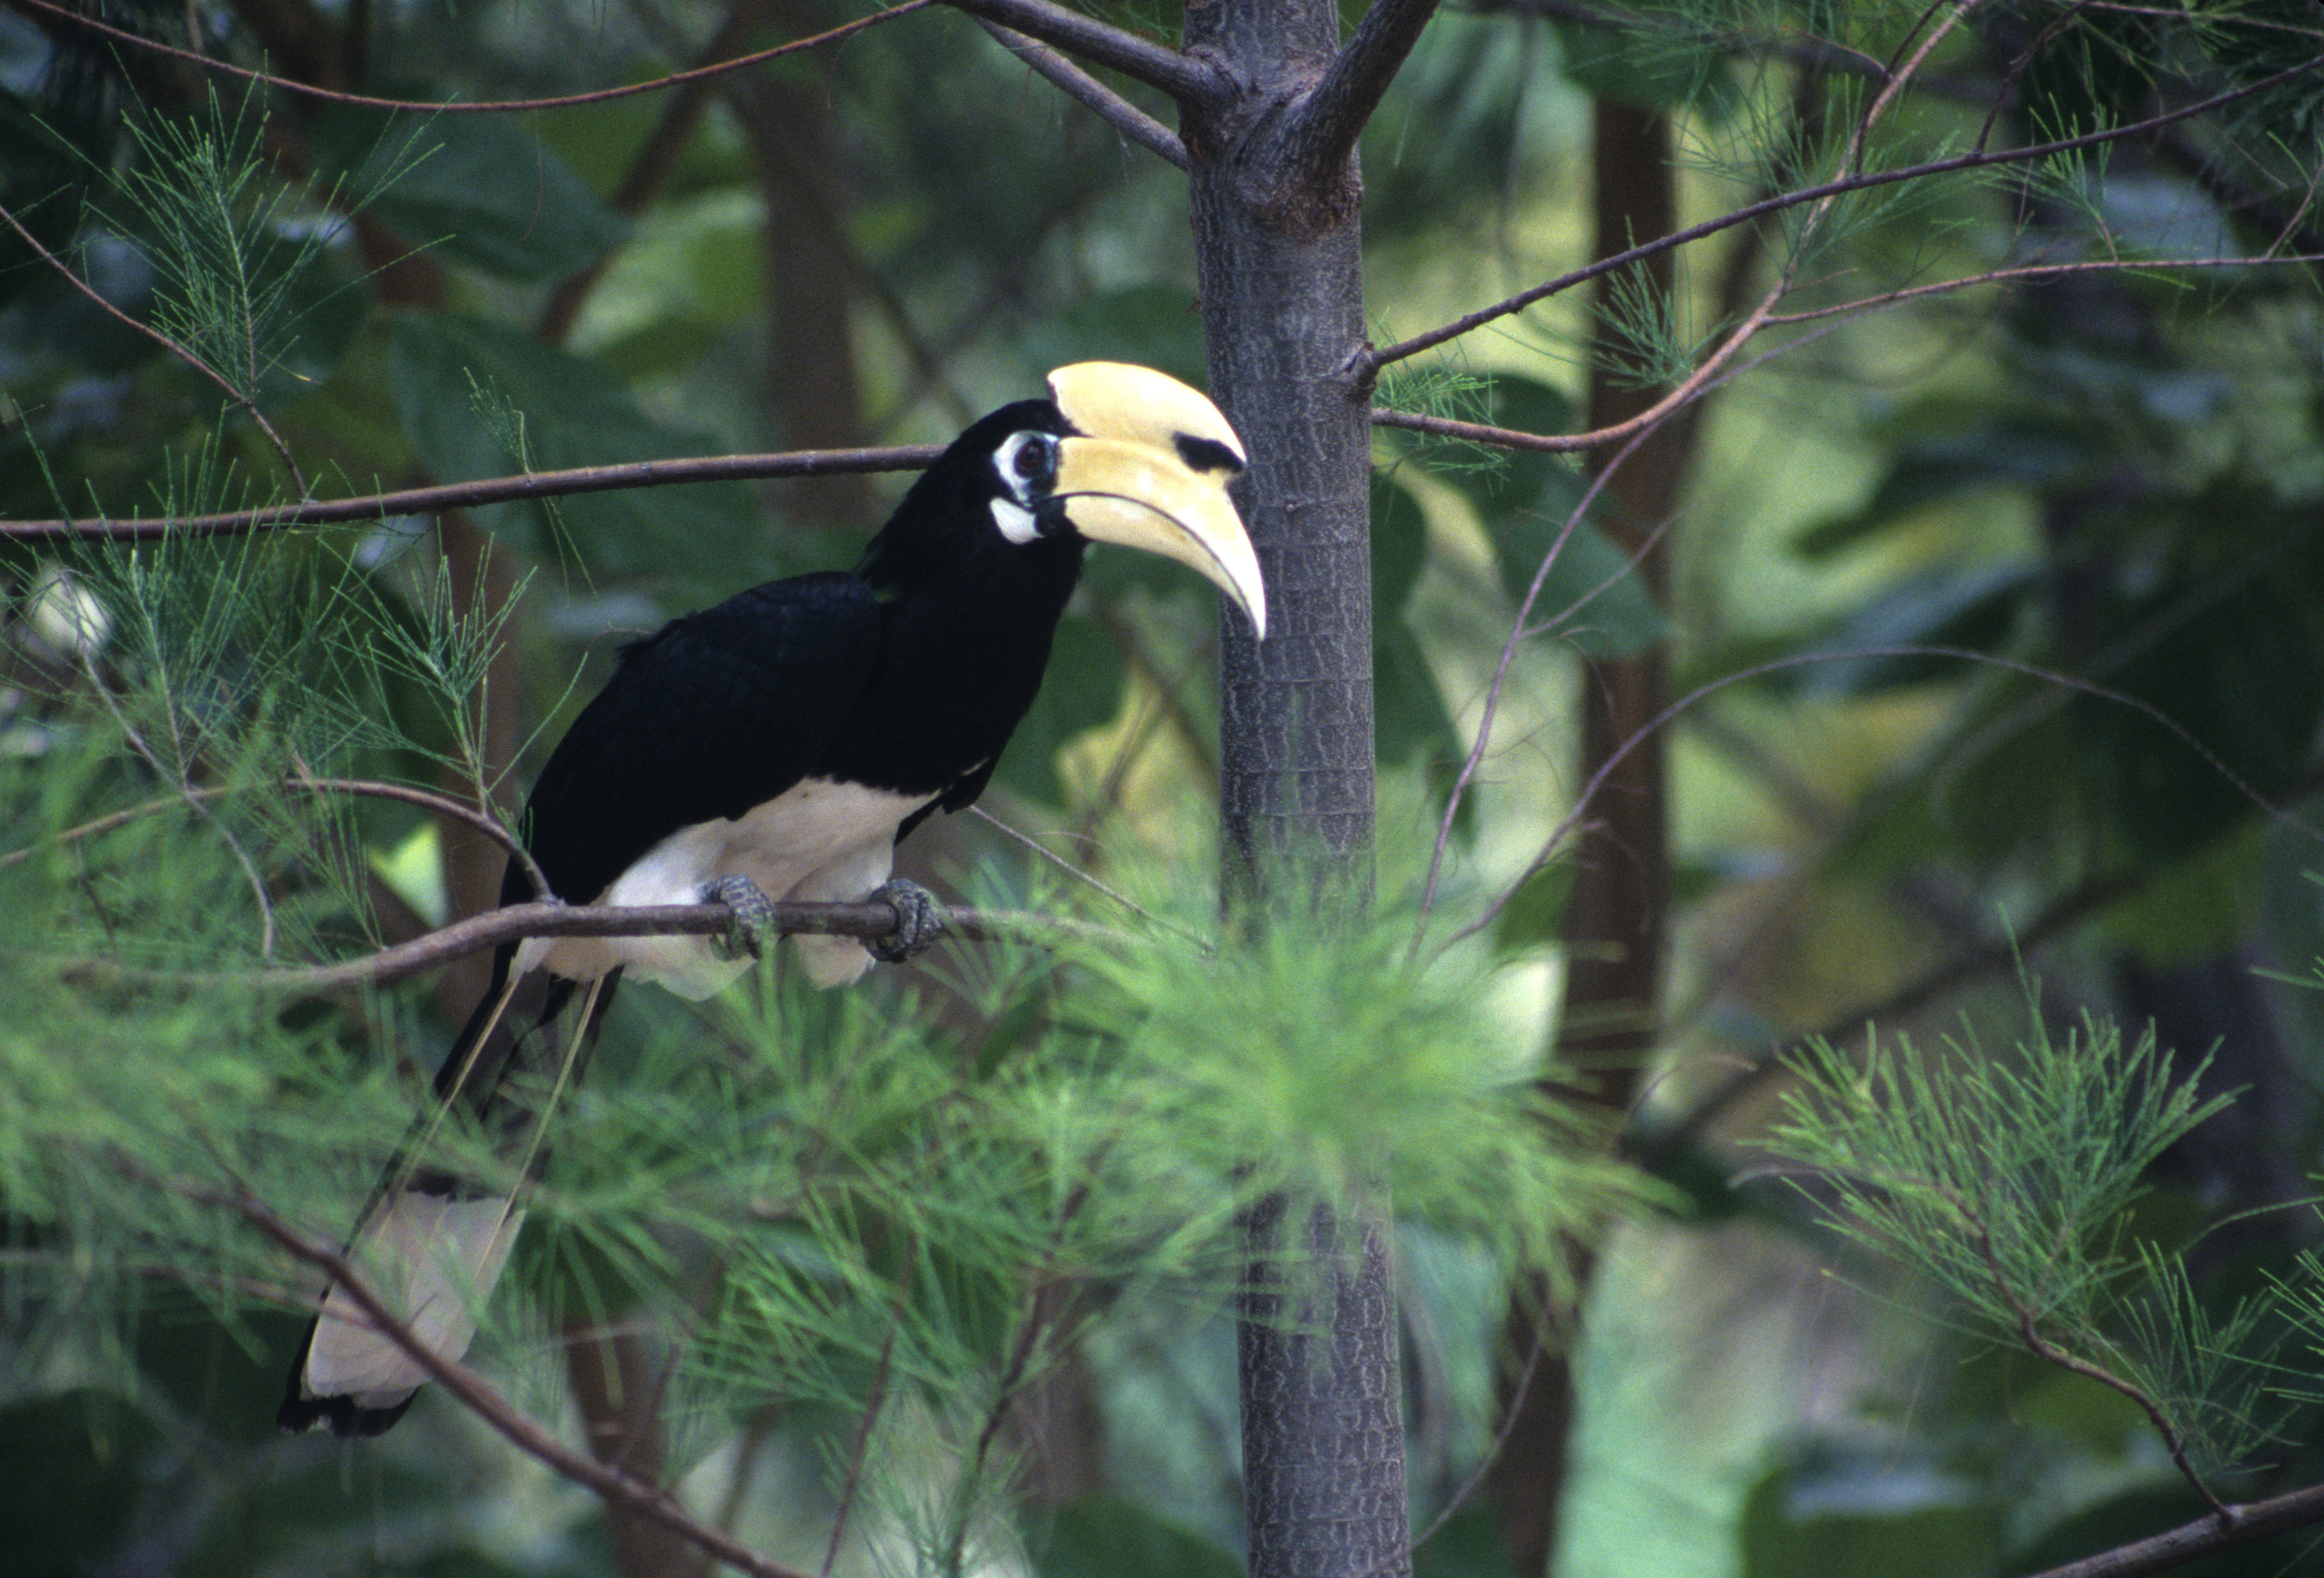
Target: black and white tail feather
<point>429,1244</point>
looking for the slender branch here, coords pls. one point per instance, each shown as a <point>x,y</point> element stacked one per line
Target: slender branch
<point>362,788</point>
<point>239,398</point>
<point>1332,117</point>
<point>2029,1333</point>
<point>1079,875</point>
<point>868,919</point>
<point>1571,443</point>
<point>1677,708</point>
<point>1181,75</point>
<point>499,106</point>
<point>532,485</point>
<point>185,791</point>
<point>1104,102</point>
<point>2040,272</point>
<point>2189,1542</point>
<point>518,1430</point>
<point>1370,361</point>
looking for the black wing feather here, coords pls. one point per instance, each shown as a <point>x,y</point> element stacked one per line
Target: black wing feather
<point>719,712</point>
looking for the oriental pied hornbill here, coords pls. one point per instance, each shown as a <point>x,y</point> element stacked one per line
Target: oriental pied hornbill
<point>777,747</point>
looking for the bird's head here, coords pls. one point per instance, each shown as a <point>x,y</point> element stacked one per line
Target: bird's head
<point>1117,454</point>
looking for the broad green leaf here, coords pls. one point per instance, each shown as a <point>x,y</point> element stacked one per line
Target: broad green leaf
<point>2243,677</point>
<point>1602,605</point>
<point>1109,1537</point>
<point>1847,1514</point>
<point>1535,915</point>
<point>1963,452</point>
<point>1599,602</point>
<point>231,1381</point>
<point>1974,609</point>
<point>480,190</point>
<point>480,399</point>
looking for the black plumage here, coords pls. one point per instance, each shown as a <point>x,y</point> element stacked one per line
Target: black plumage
<point>789,735</point>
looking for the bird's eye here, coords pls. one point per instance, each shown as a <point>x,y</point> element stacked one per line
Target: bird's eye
<point>1035,459</point>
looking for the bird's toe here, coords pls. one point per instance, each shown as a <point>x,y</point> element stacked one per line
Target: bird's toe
<point>919,921</point>
<point>753,925</point>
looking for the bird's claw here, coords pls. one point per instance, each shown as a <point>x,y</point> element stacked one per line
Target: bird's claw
<point>753,922</point>
<point>919,921</point>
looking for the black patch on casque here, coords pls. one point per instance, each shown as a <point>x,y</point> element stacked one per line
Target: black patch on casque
<point>1207,455</point>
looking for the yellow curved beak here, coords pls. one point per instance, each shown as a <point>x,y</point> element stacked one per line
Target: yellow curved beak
<point>1149,467</point>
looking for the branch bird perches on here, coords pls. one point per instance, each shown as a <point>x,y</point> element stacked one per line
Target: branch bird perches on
<point>775,747</point>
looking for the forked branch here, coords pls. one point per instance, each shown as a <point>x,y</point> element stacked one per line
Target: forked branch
<point>1334,115</point>
<point>1181,75</point>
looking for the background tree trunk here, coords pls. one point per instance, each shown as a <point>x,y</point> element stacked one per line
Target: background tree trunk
<point>1617,919</point>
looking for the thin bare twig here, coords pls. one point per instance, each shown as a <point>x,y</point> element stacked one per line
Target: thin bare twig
<point>456,106</point>
<point>435,500</point>
<point>362,787</point>
<point>1369,361</point>
<point>239,398</point>
<point>1102,101</point>
<point>1677,708</point>
<point>1088,879</point>
<point>464,1385</point>
<point>1181,75</point>
<point>1494,688</point>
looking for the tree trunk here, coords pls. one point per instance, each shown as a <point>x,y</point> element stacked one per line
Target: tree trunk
<point>1280,271</point>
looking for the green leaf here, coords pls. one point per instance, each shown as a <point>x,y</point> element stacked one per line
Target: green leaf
<point>1399,547</point>
<point>2021,449</point>
<point>231,1382</point>
<point>1974,609</point>
<point>1084,688</point>
<point>481,189</point>
<point>1839,1514</point>
<point>1408,714</point>
<point>706,537</point>
<point>1108,1537</point>
<point>1600,603</point>
<point>2243,677</point>
<point>1523,502</point>
<point>1534,915</point>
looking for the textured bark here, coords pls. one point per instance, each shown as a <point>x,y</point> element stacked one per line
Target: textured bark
<point>1322,1418</point>
<point>1281,276</point>
<point>1280,268</point>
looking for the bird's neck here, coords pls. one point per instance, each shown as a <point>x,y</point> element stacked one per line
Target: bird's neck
<point>960,663</point>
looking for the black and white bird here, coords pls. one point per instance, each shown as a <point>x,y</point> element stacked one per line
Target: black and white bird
<point>777,747</point>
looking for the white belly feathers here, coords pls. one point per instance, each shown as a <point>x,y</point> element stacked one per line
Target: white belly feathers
<point>819,840</point>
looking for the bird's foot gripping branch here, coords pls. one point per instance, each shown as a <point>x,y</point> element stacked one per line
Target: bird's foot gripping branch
<point>920,922</point>
<point>754,929</point>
